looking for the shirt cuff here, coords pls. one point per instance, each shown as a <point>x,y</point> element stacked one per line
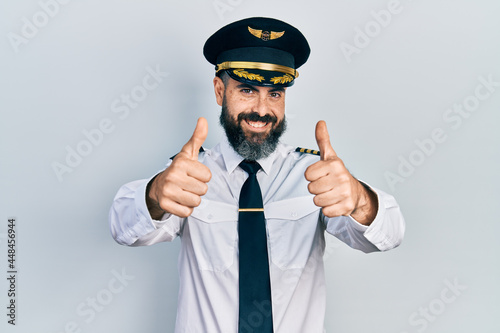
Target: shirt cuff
<point>143,215</point>
<point>387,229</point>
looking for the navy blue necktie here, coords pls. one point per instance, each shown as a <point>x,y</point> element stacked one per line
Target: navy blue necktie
<point>255,310</point>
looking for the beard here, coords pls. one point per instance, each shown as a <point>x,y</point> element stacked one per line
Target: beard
<point>253,146</point>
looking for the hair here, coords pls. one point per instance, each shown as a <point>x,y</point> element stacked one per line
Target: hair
<point>224,77</point>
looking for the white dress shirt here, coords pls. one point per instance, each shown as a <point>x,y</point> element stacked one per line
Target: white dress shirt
<point>208,260</point>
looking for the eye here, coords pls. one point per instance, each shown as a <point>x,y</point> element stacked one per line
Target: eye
<point>246,90</point>
<point>275,94</point>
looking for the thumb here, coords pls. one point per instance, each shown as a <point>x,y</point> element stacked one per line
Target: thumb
<point>192,147</point>
<point>323,140</point>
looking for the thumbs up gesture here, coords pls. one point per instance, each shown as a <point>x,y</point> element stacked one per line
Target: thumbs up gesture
<point>335,190</point>
<point>178,189</point>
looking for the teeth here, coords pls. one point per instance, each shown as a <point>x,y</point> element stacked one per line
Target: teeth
<point>256,124</point>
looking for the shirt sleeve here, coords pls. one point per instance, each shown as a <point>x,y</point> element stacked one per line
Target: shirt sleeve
<point>130,221</point>
<point>384,233</point>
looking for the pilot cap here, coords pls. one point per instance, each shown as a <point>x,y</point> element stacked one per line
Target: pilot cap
<point>259,51</point>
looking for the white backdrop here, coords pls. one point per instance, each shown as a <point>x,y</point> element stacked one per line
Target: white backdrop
<point>95,94</point>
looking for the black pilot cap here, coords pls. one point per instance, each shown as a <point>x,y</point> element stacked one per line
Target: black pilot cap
<point>259,51</point>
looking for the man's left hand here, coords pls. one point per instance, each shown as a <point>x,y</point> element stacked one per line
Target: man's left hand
<point>335,190</point>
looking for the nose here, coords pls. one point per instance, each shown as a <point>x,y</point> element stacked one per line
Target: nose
<point>262,106</point>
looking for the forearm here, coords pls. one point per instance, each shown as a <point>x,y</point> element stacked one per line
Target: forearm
<point>154,208</point>
<point>367,207</point>
<point>385,232</point>
<point>131,223</point>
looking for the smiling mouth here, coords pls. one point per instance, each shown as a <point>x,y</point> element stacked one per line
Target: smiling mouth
<point>256,124</point>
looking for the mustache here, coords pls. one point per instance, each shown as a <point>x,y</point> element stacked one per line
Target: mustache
<point>254,116</point>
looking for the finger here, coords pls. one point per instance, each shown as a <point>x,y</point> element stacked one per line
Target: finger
<point>334,204</point>
<point>180,197</point>
<point>193,185</point>
<point>182,167</point>
<point>323,140</point>
<point>316,171</point>
<point>200,172</point>
<point>321,185</point>
<point>192,147</point>
<point>326,199</point>
<point>334,211</point>
<point>337,207</point>
<point>175,208</point>
<point>188,199</point>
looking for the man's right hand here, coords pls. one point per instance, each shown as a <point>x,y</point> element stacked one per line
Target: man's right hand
<point>178,189</point>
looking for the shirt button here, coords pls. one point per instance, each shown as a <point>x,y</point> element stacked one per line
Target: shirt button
<point>294,214</point>
<point>210,216</point>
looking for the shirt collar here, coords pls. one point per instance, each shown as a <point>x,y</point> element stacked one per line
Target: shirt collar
<point>232,159</point>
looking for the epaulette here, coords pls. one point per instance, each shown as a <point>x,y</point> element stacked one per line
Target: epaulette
<point>307,151</point>
<point>201,151</point>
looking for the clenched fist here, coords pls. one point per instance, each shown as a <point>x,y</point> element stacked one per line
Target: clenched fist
<point>335,190</point>
<point>178,189</point>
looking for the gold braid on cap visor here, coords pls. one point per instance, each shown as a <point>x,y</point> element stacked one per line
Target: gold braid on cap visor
<point>257,65</point>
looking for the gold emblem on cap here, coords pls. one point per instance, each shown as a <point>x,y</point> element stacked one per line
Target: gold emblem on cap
<point>282,79</point>
<point>244,74</point>
<point>265,35</point>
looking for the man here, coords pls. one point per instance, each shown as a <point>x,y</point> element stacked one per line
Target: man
<point>252,212</point>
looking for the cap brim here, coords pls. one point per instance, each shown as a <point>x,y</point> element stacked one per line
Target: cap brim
<point>258,77</point>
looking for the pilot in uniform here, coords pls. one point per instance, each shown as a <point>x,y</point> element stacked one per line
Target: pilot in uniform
<point>260,52</point>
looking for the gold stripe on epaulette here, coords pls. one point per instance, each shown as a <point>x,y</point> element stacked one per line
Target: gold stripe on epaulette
<point>307,151</point>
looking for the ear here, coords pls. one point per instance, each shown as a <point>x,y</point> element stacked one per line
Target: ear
<point>219,90</point>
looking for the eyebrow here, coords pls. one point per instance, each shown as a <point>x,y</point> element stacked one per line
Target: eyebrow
<point>245,85</point>
<point>248,86</point>
<point>280,89</point>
